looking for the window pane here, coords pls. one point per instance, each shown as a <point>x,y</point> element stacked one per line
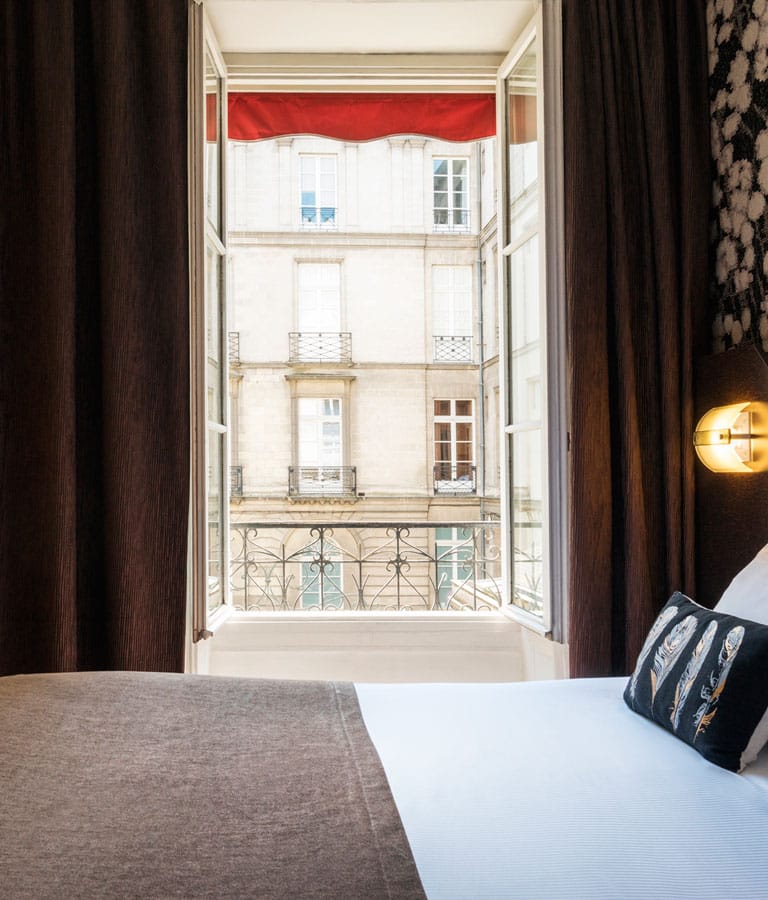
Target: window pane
<point>523,151</point>
<point>463,407</point>
<point>442,407</point>
<point>525,309</point>
<point>213,373</point>
<point>464,431</point>
<point>464,451</point>
<point>440,166</point>
<point>527,514</point>
<point>215,520</point>
<point>212,151</point>
<point>319,297</point>
<point>443,452</point>
<point>442,431</point>
<point>318,190</point>
<point>322,587</point>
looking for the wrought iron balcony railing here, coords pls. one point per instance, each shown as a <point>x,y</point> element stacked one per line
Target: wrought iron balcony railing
<point>319,218</point>
<point>322,481</point>
<point>453,348</point>
<point>455,478</point>
<point>370,566</point>
<point>236,481</point>
<point>320,346</point>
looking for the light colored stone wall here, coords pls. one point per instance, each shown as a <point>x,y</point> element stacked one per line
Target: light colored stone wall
<point>386,248</point>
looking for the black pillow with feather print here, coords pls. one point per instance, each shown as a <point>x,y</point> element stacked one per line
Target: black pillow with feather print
<point>703,676</point>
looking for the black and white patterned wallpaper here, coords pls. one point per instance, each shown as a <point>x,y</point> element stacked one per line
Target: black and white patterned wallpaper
<point>738,85</point>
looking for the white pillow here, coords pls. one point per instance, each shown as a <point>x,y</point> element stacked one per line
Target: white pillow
<point>747,595</point>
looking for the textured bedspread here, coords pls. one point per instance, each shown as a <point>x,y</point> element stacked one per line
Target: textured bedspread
<point>153,786</point>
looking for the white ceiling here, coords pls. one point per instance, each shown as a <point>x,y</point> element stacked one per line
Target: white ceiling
<point>368,26</point>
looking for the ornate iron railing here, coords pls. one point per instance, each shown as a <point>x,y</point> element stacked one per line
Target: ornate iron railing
<point>366,566</point>
<point>455,478</point>
<point>233,346</point>
<point>318,218</point>
<point>319,346</point>
<point>321,481</point>
<point>453,348</point>
<point>236,481</point>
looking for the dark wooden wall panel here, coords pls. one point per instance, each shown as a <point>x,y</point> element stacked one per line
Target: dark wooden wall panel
<point>731,510</point>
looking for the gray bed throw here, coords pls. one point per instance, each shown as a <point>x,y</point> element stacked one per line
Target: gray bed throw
<point>135,785</point>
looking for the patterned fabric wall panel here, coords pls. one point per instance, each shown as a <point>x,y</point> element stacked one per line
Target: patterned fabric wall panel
<point>738,69</point>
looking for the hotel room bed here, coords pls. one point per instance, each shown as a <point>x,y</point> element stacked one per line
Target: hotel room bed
<point>152,786</point>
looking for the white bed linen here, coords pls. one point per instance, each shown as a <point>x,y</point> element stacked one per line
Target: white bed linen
<point>556,790</point>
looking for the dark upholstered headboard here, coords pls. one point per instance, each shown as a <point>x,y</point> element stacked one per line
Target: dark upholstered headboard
<point>731,510</point>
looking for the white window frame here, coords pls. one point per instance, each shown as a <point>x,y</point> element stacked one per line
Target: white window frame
<point>452,339</point>
<point>546,25</point>
<point>449,295</point>
<point>391,73</point>
<point>453,419</point>
<point>319,420</point>
<point>208,363</point>
<point>451,226</point>
<point>315,287</point>
<point>318,224</point>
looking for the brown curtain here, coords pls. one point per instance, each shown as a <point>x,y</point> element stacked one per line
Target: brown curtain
<point>637,174</point>
<point>94,423</point>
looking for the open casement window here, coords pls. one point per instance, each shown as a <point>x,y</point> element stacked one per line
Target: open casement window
<point>208,258</point>
<point>532,350</point>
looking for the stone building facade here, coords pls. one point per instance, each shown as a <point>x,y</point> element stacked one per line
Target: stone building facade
<point>363,367</point>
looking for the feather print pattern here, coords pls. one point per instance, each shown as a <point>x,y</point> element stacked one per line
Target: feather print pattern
<point>711,692</point>
<point>691,671</point>
<point>658,626</point>
<point>669,652</point>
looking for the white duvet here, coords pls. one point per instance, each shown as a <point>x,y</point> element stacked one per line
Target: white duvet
<point>556,790</point>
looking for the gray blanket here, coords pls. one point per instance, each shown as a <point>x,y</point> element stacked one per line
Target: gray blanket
<point>141,785</point>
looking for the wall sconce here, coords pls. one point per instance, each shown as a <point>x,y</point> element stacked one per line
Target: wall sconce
<point>734,438</point>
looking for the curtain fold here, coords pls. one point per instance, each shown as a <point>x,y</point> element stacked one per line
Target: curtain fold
<point>94,340</point>
<point>637,176</point>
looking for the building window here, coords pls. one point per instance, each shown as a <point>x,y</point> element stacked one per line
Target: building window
<point>454,447</point>
<point>454,558</point>
<point>322,585</point>
<point>450,191</point>
<point>452,313</point>
<point>320,454</point>
<point>318,191</point>
<point>319,337</point>
<point>319,432</point>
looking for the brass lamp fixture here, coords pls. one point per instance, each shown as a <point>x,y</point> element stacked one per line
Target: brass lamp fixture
<point>734,438</point>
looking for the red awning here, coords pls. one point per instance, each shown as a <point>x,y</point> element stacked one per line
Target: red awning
<point>361,117</point>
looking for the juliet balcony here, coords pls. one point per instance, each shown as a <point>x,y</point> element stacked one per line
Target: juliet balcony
<point>309,482</point>
<point>457,478</point>
<point>320,347</point>
<point>452,348</point>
